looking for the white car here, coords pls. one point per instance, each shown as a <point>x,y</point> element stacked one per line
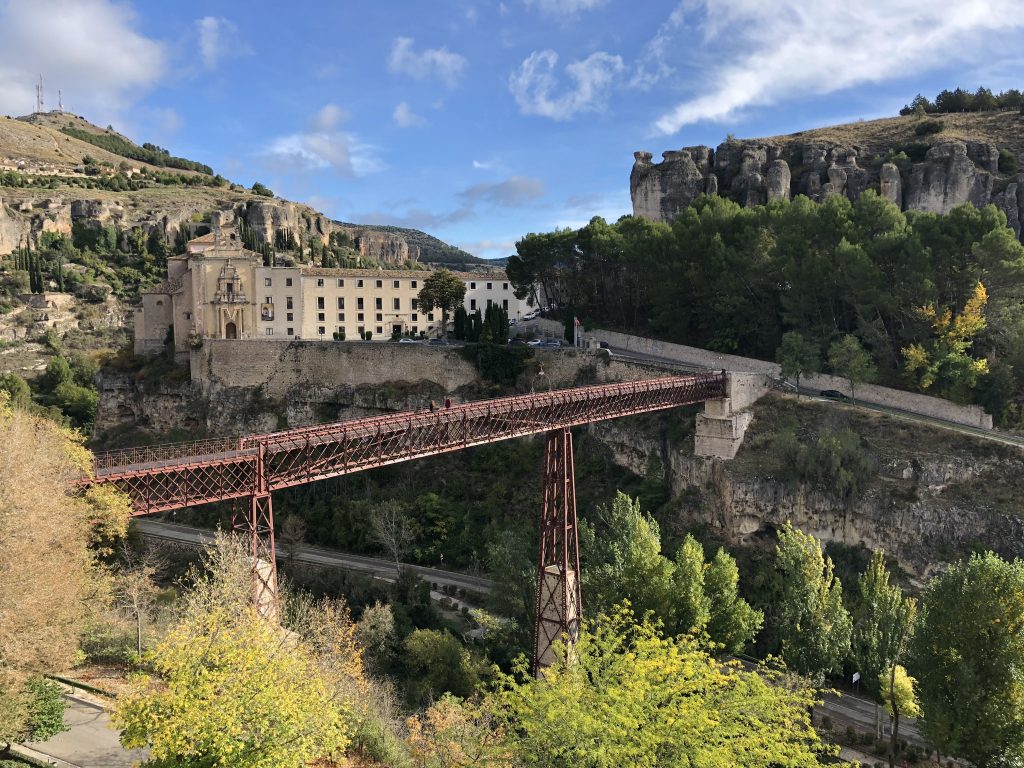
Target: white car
<point>408,341</point>
<point>534,343</point>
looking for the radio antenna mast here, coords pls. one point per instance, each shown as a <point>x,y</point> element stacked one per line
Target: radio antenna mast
<point>40,99</point>
<point>60,101</point>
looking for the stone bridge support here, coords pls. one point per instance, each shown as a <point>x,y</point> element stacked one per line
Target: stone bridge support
<point>721,427</point>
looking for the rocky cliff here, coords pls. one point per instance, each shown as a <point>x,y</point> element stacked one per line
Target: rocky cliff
<point>934,173</point>
<point>926,506</point>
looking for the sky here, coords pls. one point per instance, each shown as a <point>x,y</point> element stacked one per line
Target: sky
<point>477,121</point>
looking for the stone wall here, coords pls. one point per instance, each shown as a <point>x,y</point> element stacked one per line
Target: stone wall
<point>970,415</point>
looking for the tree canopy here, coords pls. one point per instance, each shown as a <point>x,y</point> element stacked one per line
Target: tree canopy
<point>442,290</point>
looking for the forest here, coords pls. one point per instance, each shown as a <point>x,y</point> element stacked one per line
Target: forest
<point>933,300</point>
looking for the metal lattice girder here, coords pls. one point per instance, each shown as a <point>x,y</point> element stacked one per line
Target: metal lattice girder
<point>170,477</point>
<point>559,601</point>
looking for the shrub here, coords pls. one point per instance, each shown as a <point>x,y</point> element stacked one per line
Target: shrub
<point>1007,161</point>
<point>928,127</point>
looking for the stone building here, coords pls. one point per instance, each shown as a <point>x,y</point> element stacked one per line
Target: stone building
<point>218,289</point>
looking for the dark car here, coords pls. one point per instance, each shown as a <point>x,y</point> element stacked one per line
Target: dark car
<point>438,342</point>
<point>605,345</point>
<point>833,394</point>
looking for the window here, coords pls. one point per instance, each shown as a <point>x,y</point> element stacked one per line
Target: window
<point>415,304</point>
<point>320,316</point>
<point>341,282</point>
<point>414,317</point>
<point>288,302</point>
<point>321,330</point>
<point>341,317</point>
<point>489,286</point>
<point>359,317</point>
<point>414,283</point>
<point>398,304</point>
<point>380,318</point>
<point>504,286</point>
<point>267,282</point>
<point>395,284</point>
<point>288,282</point>
<point>269,331</point>
<point>472,304</point>
<point>359,283</point>
<point>378,303</point>
<point>289,317</point>
<point>319,302</point>
<point>341,332</point>
<point>359,303</point>
<point>268,299</point>
<point>430,317</point>
<point>504,304</point>
<point>380,284</point>
<point>341,302</point>
<point>188,315</point>
<point>380,329</point>
<point>472,286</point>
<point>415,330</point>
<point>291,331</point>
<point>319,282</point>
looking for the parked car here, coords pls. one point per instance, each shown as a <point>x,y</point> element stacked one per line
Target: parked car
<point>438,342</point>
<point>408,341</point>
<point>534,343</point>
<point>511,322</point>
<point>605,345</point>
<point>531,314</point>
<point>833,394</point>
<point>553,343</point>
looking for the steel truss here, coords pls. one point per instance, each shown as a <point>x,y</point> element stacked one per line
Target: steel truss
<point>247,470</point>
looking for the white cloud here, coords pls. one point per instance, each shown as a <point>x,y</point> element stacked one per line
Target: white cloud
<point>441,63</point>
<point>813,47</point>
<point>564,7</point>
<point>513,192</point>
<point>404,117</point>
<point>652,66</point>
<point>218,38</point>
<point>537,91</point>
<point>489,249</point>
<point>89,49</point>
<point>484,165</point>
<point>322,146</point>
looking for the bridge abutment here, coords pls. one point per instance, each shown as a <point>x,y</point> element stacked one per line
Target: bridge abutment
<point>720,429</point>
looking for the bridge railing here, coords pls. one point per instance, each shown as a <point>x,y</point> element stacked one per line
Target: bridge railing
<point>155,454</point>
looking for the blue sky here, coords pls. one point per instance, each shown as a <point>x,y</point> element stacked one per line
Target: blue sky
<point>481,121</point>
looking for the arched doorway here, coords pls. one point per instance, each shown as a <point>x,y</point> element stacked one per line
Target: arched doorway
<point>230,331</point>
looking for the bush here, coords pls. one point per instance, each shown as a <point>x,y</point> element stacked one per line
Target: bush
<point>261,190</point>
<point>46,709</point>
<point>928,127</point>
<point>1007,161</point>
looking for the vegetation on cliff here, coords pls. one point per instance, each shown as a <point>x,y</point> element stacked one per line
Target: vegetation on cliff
<point>930,297</point>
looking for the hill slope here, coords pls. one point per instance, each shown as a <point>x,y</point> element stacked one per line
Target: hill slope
<point>57,168</point>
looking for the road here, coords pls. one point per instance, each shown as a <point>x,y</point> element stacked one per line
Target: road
<point>91,741</point>
<point>991,435</point>
<point>325,558</point>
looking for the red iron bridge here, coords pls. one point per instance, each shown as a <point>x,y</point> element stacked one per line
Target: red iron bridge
<point>247,470</point>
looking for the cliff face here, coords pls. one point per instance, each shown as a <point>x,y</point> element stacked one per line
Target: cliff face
<point>953,171</point>
<point>914,513</point>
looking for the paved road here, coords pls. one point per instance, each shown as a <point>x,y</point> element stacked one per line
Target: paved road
<point>91,742</point>
<point>329,558</point>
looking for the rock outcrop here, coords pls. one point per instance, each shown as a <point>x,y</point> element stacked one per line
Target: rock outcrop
<point>952,172</point>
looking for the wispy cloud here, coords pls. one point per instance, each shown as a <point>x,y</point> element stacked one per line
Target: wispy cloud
<point>564,7</point>
<point>325,146</point>
<point>404,117</point>
<point>90,49</point>
<point>441,63</point>
<point>537,90</point>
<point>219,39</point>
<point>489,249</point>
<point>513,192</point>
<point>810,47</point>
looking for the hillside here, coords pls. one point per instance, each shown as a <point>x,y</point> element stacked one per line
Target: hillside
<point>927,162</point>
<point>58,169</point>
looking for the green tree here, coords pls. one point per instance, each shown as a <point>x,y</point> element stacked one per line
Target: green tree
<point>445,291</point>
<point>733,623</point>
<point>17,388</point>
<point>58,371</point>
<point>968,658</point>
<point>261,190</point>
<point>45,710</point>
<point>232,689</point>
<point>883,622</point>
<point>798,356</point>
<point>813,624</point>
<point>631,696</point>
<point>847,358</point>
<point>689,606</point>
<point>900,699</point>
<point>436,663</point>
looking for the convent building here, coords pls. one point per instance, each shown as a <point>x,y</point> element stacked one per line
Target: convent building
<point>218,289</point>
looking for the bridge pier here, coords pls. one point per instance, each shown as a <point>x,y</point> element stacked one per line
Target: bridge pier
<point>722,426</point>
<point>256,524</point>
<point>559,602</point>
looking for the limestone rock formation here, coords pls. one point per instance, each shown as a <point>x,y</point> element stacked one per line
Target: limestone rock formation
<point>753,172</point>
